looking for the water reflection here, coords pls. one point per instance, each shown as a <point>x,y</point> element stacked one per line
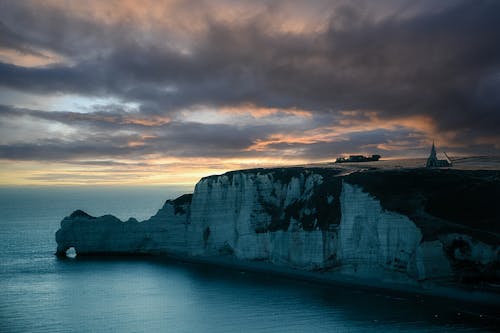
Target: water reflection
<point>195,297</point>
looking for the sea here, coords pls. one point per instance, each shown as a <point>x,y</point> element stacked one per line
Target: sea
<point>41,293</point>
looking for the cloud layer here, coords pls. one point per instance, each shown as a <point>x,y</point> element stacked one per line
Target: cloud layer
<point>247,81</point>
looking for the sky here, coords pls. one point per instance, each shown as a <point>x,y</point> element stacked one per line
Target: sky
<point>165,92</point>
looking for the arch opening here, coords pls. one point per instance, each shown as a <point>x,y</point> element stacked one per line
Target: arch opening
<point>70,252</point>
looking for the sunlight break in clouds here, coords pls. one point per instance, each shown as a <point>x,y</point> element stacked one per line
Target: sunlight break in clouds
<point>168,91</point>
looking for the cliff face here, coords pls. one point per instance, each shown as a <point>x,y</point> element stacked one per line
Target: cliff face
<point>362,224</point>
<point>163,232</point>
<point>372,239</point>
<point>261,216</point>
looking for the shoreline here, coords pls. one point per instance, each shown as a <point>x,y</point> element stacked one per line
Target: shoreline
<point>414,231</point>
<point>328,278</point>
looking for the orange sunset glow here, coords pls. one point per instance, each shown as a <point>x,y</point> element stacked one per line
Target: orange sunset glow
<point>166,92</point>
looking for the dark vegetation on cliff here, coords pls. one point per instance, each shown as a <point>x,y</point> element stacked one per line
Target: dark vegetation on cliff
<point>323,207</point>
<point>471,272</point>
<point>181,203</point>
<point>439,201</point>
<point>322,213</point>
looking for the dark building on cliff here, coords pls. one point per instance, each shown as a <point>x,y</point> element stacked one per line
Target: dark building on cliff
<point>434,162</point>
<point>358,158</point>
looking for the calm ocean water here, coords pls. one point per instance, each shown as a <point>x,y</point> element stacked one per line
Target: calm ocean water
<point>40,293</point>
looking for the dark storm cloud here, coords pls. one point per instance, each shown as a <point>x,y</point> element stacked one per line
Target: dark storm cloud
<point>103,138</point>
<point>50,150</point>
<point>36,25</point>
<point>444,64</point>
<point>111,118</point>
<point>53,79</point>
<point>11,40</point>
<point>101,134</point>
<point>367,142</point>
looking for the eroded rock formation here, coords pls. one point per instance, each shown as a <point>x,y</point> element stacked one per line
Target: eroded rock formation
<point>405,225</point>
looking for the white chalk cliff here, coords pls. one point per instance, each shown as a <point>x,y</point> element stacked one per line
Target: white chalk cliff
<point>300,218</point>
